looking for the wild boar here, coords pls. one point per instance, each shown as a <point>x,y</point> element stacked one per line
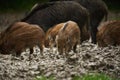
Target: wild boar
<point>109,34</point>
<point>97,9</point>
<point>49,14</point>
<point>19,36</point>
<point>51,35</point>
<point>68,37</point>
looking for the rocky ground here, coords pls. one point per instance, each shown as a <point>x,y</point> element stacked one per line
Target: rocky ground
<point>89,58</point>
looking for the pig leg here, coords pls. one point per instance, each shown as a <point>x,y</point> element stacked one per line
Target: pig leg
<point>30,55</point>
<point>93,29</point>
<point>68,48</point>
<point>19,49</point>
<point>41,46</point>
<point>18,53</point>
<point>60,50</point>
<point>31,51</point>
<point>74,48</point>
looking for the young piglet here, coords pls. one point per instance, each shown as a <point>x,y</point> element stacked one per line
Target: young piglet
<point>19,36</point>
<point>109,34</point>
<point>68,37</point>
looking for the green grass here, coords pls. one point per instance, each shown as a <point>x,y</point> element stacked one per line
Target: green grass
<point>90,76</point>
<point>115,18</point>
<point>93,77</point>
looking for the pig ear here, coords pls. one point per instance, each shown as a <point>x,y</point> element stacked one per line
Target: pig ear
<point>64,26</point>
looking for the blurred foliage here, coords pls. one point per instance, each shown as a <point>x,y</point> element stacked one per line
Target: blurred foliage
<point>113,5</point>
<point>93,76</point>
<point>17,5</point>
<point>21,5</point>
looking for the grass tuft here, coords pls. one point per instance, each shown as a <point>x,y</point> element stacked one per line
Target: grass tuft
<point>93,76</point>
<point>90,76</point>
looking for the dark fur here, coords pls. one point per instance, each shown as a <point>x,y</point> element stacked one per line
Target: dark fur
<point>86,34</point>
<point>109,34</point>
<point>97,9</point>
<point>52,13</point>
<point>20,36</point>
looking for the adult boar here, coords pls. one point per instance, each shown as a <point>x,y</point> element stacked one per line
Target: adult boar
<point>19,36</point>
<point>97,9</point>
<point>49,14</point>
<point>109,34</point>
<point>68,37</point>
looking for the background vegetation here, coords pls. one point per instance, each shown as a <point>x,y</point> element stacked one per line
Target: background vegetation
<point>21,5</point>
<point>17,5</point>
<point>113,4</point>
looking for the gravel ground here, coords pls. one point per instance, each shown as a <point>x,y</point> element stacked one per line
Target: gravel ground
<point>89,58</point>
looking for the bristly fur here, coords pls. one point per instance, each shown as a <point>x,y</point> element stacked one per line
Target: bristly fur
<point>53,13</point>
<point>20,36</point>
<point>39,6</point>
<point>109,34</point>
<point>98,10</point>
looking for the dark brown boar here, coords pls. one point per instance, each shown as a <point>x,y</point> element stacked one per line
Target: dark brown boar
<point>49,14</point>
<point>109,34</point>
<point>97,9</point>
<point>20,36</point>
<point>51,35</point>
<point>68,37</point>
